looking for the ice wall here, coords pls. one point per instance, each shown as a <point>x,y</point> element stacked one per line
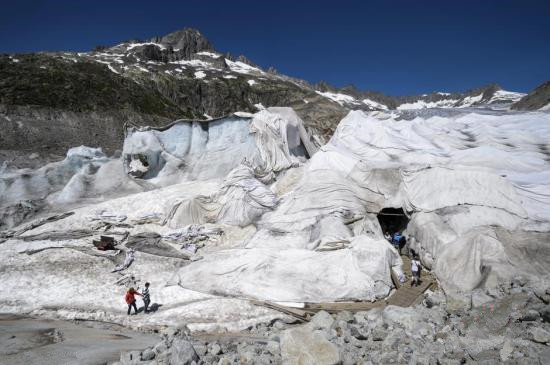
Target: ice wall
<point>86,173</point>
<point>200,150</point>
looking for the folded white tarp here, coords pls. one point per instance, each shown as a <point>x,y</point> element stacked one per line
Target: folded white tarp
<point>296,275</point>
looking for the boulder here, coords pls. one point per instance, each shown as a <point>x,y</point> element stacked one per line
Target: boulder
<point>215,349</point>
<point>273,347</point>
<point>506,350</point>
<point>182,352</point>
<point>147,354</point>
<point>539,335</point>
<point>358,333</point>
<point>200,349</point>
<point>321,321</point>
<point>379,334</point>
<point>224,361</point>
<point>303,346</point>
<point>160,347</point>
<point>530,316</point>
<point>345,316</point>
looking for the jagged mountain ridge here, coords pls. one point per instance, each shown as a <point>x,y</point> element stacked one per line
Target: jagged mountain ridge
<point>51,101</point>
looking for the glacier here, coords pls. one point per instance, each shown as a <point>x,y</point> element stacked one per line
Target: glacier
<point>299,221</point>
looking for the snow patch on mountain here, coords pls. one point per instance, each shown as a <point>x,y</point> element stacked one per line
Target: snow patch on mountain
<point>134,45</point>
<point>338,97</point>
<point>194,63</point>
<point>470,100</point>
<point>374,104</point>
<point>108,65</point>
<point>209,54</point>
<point>241,67</point>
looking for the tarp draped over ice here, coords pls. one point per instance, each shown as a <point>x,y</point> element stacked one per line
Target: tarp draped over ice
<point>280,137</point>
<point>296,275</point>
<point>241,200</point>
<point>467,206</point>
<point>458,187</point>
<point>475,186</point>
<point>462,178</point>
<point>304,249</point>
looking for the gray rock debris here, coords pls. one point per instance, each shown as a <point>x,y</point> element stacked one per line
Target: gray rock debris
<point>512,329</point>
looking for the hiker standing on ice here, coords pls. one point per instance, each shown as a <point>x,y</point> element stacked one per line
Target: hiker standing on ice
<point>131,300</point>
<point>146,298</point>
<point>415,269</point>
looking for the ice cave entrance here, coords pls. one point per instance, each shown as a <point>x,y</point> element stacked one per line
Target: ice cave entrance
<point>393,220</point>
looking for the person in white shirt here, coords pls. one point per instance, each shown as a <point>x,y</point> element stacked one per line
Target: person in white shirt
<point>415,269</point>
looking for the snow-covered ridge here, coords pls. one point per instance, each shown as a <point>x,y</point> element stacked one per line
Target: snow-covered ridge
<point>452,101</point>
<point>506,96</point>
<point>344,99</point>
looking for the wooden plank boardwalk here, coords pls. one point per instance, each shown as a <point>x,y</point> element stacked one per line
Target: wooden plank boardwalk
<point>405,296</point>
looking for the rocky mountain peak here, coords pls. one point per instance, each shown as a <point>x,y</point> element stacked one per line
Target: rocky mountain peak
<point>187,41</point>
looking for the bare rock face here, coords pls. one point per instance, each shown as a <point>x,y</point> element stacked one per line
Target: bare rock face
<point>186,41</point>
<point>536,99</point>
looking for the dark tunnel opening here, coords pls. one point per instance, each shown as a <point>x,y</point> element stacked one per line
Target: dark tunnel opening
<point>392,220</point>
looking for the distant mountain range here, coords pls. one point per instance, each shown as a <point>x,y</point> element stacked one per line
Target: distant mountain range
<point>50,101</point>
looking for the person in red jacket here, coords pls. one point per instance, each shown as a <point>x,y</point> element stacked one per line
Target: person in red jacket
<point>131,299</point>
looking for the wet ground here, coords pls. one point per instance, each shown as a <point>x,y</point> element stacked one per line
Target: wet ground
<point>36,341</point>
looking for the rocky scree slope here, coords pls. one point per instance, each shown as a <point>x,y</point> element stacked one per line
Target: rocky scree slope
<point>55,100</point>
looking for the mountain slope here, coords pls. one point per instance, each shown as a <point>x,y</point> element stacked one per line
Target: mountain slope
<point>536,99</point>
<point>52,101</point>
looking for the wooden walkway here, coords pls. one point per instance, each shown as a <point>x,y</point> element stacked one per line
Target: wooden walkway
<point>405,296</point>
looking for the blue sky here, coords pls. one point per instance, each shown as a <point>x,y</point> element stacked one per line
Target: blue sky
<point>397,47</point>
